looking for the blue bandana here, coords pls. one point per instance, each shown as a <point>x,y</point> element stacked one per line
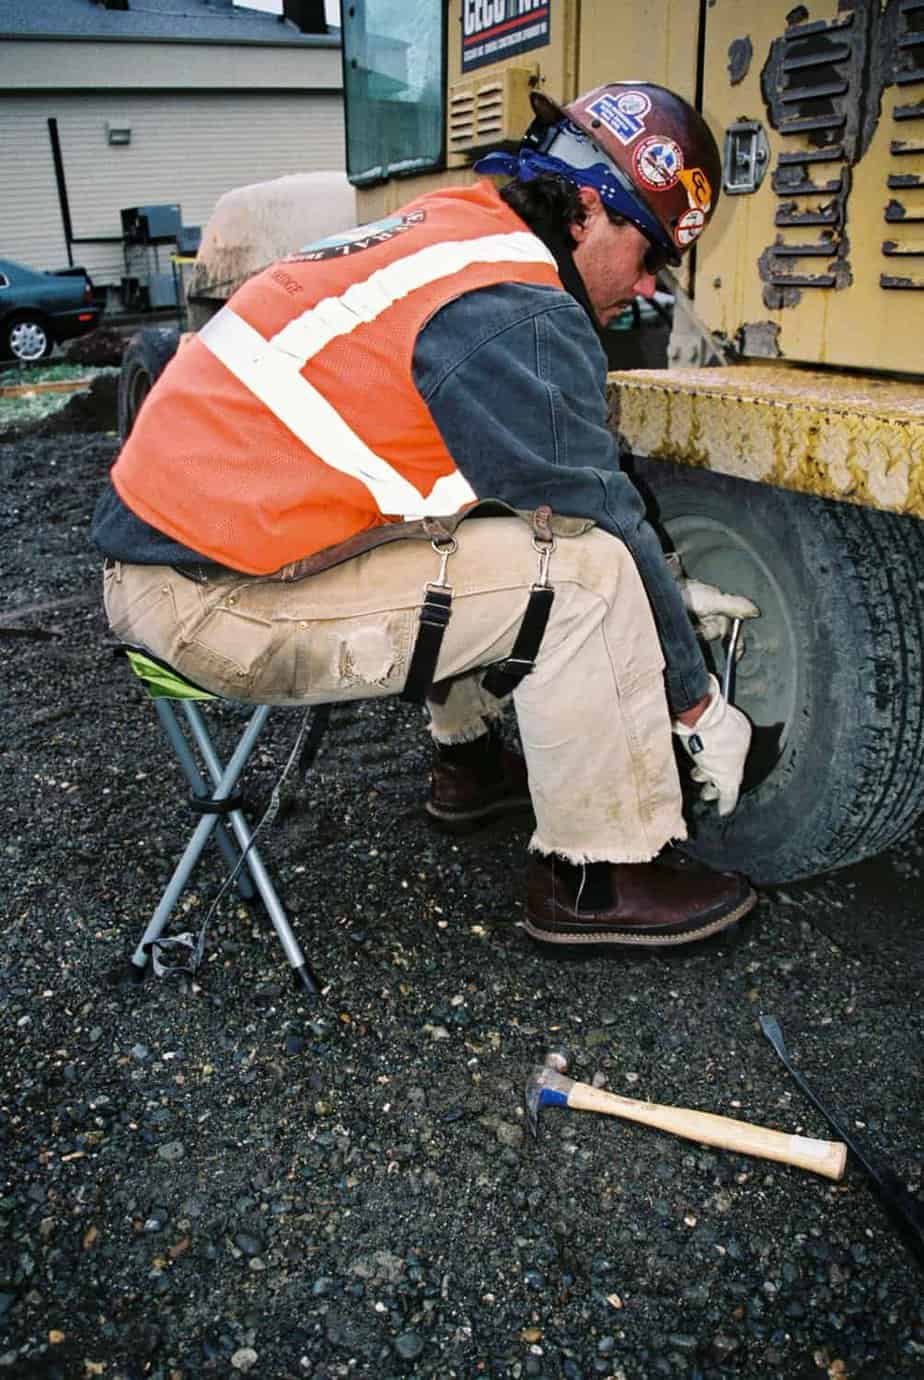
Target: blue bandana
<point>614,188</point>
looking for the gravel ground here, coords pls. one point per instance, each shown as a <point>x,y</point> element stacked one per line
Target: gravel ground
<point>218,1178</point>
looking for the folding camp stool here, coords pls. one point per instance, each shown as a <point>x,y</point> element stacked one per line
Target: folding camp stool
<point>218,808</point>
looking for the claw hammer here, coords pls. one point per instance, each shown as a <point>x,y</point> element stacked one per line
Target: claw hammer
<point>547,1086</point>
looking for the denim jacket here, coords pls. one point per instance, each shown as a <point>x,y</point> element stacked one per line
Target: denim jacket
<point>514,377</point>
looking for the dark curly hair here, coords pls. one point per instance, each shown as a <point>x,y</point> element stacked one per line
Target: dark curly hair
<point>549,201</point>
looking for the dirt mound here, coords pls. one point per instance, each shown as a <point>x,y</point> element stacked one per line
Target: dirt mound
<point>94,409</point>
<point>104,346</point>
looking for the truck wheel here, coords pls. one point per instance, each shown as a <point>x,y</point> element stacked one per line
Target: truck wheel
<point>149,352</point>
<point>831,676</point>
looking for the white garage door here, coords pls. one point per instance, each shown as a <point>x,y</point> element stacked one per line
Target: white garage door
<point>185,148</point>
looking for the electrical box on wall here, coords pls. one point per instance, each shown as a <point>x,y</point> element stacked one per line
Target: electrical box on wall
<point>151,224</point>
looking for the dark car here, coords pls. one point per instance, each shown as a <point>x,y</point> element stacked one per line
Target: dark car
<point>37,310</point>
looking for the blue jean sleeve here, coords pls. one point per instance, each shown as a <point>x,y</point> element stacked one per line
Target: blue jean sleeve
<point>514,378</point>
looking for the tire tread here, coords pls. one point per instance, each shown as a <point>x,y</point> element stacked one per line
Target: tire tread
<point>860,573</point>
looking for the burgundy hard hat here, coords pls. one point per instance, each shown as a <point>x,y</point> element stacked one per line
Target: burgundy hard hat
<point>665,173</point>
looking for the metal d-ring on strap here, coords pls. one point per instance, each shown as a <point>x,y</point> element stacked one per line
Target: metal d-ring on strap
<point>504,676</point>
<point>435,613</point>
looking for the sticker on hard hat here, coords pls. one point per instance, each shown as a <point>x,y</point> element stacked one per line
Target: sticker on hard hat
<point>658,163</point>
<point>689,227</point>
<point>622,114</point>
<point>352,241</point>
<point>699,192</point>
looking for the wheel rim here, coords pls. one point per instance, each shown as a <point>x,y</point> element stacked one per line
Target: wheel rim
<point>766,678</point>
<point>28,340</point>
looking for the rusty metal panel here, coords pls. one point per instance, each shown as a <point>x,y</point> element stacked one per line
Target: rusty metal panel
<point>824,262</point>
<point>841,436</point>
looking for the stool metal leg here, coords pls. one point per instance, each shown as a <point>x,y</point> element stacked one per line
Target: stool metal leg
<point>167,715</point>
<point>225,784</point>
<point>274,907</point>
<point>223,781</point>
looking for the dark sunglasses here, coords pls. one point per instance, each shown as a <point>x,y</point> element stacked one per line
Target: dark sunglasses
<point>657,256</point>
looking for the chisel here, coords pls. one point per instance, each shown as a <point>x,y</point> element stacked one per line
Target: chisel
<point>906,1211</point>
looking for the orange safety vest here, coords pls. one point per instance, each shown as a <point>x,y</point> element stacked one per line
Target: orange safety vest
<point>291,422</point>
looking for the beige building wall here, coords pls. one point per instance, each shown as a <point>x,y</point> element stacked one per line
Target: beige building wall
<point>188,146</point>
<point>145,64</point>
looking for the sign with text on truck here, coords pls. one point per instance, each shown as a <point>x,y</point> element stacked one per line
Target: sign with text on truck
<point>495,29</point>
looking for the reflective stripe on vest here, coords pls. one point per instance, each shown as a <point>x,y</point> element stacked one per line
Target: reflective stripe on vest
<point>307,335</point>
<point>293,421</point>
<point>271,369</point>
<point>275,379</point>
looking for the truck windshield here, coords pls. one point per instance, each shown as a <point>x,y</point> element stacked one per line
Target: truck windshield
<point>393,84</point>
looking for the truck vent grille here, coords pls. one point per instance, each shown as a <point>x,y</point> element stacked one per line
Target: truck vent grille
<point>826,84</point>
<point>811,84</point>
<point>489,112</point>
<point>903,249</point>
<point>461,118</point>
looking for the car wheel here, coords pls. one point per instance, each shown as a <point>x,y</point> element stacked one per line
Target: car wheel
<point>831,673</point>
<point>28,339</point>
<point>148,353</point>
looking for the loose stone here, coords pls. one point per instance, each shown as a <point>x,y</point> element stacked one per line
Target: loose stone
<point>250,1245</point>
<point>244,1359</point>
<point>409,1346</point>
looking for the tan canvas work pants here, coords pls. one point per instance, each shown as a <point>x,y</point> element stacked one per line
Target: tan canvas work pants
<point>592,716</point>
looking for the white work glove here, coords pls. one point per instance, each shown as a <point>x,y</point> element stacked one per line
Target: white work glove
<point>711,608</point>
<point>718,744</point>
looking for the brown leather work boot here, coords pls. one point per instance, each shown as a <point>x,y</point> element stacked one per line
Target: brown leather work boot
<point>651,906</point>
<point>466,795</point>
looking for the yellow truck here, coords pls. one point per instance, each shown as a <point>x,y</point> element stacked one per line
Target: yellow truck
<point>782,443</point>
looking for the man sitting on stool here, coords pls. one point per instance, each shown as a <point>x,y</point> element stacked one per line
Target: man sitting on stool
<point>257,531</point>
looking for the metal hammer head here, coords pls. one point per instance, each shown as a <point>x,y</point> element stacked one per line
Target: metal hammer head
<point>547,1087</point>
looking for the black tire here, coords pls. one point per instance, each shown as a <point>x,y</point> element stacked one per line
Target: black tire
<point>149,352</point>
<point>27,338</point>
<point>832,671</point>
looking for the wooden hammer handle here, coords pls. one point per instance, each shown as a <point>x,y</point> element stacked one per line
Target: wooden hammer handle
<point>827,1157</point>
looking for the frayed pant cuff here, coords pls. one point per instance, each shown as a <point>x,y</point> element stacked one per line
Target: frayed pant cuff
<point>465,733</point>
<point>610,854</point>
